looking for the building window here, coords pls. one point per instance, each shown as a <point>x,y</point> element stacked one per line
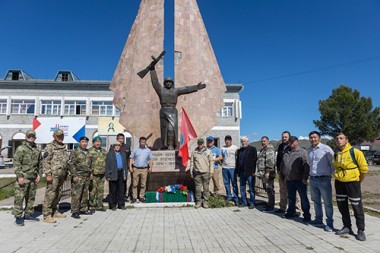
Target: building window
<point>21,106</point>
<point>3,106</point>
<point>76,107</point>
<point>102,108</point>
<point>227,110</point>
<point>65,77</point>
<point>15,75</point>
<point>50,107</point>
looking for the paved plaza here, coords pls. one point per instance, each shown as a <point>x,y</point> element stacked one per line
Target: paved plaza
<point>181,230</point>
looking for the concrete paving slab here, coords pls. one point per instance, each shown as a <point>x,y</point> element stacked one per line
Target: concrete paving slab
<point>181,230</point>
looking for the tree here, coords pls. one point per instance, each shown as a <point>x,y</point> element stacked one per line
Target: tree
<point>346,111</point>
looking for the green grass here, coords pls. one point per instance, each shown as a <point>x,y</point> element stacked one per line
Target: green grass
<point>372,213</point>
<point>7,187</point>
<point>218,202</point>
<point>366,211</point>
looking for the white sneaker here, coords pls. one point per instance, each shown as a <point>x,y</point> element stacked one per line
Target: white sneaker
<point>328,228</point>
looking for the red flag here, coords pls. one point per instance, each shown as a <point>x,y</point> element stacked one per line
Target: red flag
<point>187,134</point>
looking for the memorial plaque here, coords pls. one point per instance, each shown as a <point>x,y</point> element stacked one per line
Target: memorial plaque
<point>167,161</point>
<point>167,170</point>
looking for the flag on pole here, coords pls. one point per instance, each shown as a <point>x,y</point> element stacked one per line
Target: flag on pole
<point>187,134</point>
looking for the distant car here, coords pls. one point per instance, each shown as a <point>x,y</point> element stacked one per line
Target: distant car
<point>376,158</point>
<point>369,156</point>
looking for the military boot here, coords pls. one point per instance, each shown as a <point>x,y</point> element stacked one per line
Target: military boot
<point>49,219</point>
<point>76,215</point>
<point>58,215</point>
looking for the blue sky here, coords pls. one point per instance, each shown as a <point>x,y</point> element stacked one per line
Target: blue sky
<point>287,54</point>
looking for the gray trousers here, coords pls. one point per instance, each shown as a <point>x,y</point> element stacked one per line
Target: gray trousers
<point>201,180</point>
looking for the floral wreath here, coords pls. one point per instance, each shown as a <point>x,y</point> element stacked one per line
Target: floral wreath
<point>172,188</point>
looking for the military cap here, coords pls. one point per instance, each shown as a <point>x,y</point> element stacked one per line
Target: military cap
<point>83,138</point>
<point>96,138</point>
<point>58,132</point>
<point>30,132</point>
<point>200,140</point>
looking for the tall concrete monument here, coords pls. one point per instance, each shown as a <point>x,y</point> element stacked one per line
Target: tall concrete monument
<point>194,62</point>
<point>135,97</point>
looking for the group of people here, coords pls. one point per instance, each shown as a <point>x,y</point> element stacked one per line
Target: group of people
<point>88,170</point>
<point>295,167</point>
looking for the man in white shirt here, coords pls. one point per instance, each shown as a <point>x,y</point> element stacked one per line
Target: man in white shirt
<point>228,169</point>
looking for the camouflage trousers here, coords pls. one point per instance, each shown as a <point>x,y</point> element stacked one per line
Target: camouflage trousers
<point>79,194</point>
<point>25,192</point>
<point>97,191</point>
<point>53,195</point>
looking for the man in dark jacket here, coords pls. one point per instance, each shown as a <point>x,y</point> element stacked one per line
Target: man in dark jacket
<point>120,137</point>
<point>246,168</point>
<point>295,169</point>
<point>116,174</point>
<point>282,149</point>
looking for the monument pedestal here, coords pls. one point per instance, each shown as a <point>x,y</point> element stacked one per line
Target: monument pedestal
<point>168,170</point>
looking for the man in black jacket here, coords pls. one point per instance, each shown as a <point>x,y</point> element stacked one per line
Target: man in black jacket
<point>282,149</point>
<point>246,168</point>
<point>116,174</point>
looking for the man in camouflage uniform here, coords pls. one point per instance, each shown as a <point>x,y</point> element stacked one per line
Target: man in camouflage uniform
<point>55,167</point>
<point>28,168</point>
<point>266,171</point>
<point>98,168</point>
<point>80,170</point>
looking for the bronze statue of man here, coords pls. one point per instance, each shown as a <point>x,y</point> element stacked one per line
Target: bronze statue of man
<point>168,96</point>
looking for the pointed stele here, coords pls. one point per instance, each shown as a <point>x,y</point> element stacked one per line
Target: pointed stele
<point>195,61</point>
<point>135,97</point>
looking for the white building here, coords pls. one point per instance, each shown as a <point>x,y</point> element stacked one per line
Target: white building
<point>23,98</point>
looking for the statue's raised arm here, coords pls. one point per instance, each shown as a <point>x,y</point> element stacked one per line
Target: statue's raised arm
<point>168,96</point>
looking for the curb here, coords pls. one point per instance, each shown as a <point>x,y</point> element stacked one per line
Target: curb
<point>141,205</point>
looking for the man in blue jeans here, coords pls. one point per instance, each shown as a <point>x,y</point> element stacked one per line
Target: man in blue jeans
<point>295,170</point>
<point>228,169</point>
<point>321,167</point>
<point>246,168</point>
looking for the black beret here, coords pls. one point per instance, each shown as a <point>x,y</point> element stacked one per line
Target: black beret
<point>83,138</point>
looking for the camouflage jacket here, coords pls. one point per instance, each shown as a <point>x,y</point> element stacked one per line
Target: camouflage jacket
<point>266,161</point>
<point>80,162</point>
<point>27,161</point>
<point>98,160</point>
<point>55,160</point>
